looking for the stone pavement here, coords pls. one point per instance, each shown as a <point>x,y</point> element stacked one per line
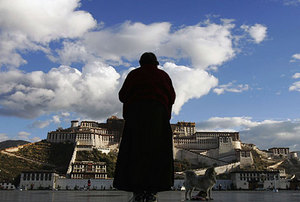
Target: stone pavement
<point>119,196</point>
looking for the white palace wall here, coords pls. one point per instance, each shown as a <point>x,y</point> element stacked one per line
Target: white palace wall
<point>64,183</point>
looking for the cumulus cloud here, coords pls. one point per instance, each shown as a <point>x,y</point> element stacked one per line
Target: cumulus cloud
<point>291,2</point>
<point>258,32</point>
<point>91,93</point>
<point>265,134</point>
<point>205,45</point>
<point>296,76</point>
<point>3,137</point>
<point>39,124</point>
<point>189,83</point>
<point>26,136</point>
<point>231,87</point>
<point>56,119</point>
<point>295,57</point>
<point>32,24</point>
<point>65,114</point>
<point>295,86</point>
<point>23,135</point>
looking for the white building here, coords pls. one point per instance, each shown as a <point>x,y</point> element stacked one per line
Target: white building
<point>89,134</point>
<point>245,158</point>
<point>88,170</point>
<point>7,186</point>
<point>181,129</point>
<point>218,145</point>
<point>259,180</point>
<point>38,180</point>
<point>277,151</point>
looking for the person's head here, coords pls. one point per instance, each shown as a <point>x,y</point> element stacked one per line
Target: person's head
<point>148,58</point>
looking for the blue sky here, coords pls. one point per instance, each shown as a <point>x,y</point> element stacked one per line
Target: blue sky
<point>235,65</point>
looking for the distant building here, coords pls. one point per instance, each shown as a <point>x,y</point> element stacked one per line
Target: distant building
<point>258,180</point>
<point>89,134</point>
<point>245,158</point>
<point>234,135</point>
<point>38,179</point>
<point>88,170</point>
<point>195,142</point>
<point>114,126</point>
<point>276,151</point>
<point>209,140</point>
<point>293,155</point>
<point>7,186</point>
<point>181,129</point>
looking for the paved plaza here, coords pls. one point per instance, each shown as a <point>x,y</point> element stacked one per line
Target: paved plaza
<point>119,196</point>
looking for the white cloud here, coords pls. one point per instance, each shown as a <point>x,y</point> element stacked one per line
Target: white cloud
<point>65,114</point>
<point>189,83</point>
<point>91,93</point>
<point>136,37</point>
<point>35,139</point>
<point>3,137</point>
<point>291,2</point>
<point>230,87</point>
<point>296,76</point>
<point>226,123</point>
<point>56,119</point>
<point>23,135</point>
<point>26,136</point>
<point>295,57</point>
<point>32,24</point>
<point>265,134</point>
<point>258,32</point>
<point>39,124</point>
<point>205,45</point>
<point>295,86</point>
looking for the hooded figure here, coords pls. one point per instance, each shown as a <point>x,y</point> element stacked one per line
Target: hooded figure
<point>145,159</point>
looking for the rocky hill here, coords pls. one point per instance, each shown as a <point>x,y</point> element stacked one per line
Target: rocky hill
<point>38,156</point>
<point>12,143</point>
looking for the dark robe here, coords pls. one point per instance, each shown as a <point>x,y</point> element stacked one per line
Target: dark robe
<point>145,159</point>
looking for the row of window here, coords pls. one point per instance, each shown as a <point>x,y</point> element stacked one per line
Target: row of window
<point>37,176</point>
<point>206,141</point>
<point>96,176</point>
<point>255,174</point>
<point>83,166</point>
<point>256,179</point>
<point>245,154</point>
<point>56,136</point>
<point>87,170</point>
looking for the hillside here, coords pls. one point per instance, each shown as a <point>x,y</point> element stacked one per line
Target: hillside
<point>38,156</point>
<point>12,143</point>
<point>59,154</point>
<point>98,156</point>
<point>11,167</point>
<point>291,166</point>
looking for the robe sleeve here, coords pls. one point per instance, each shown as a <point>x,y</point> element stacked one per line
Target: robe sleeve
<point>125,89</point>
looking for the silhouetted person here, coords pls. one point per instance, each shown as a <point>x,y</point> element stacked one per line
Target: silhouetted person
<point>145,159</point>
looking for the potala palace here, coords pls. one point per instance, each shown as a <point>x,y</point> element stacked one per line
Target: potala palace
<point>223,150</point>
